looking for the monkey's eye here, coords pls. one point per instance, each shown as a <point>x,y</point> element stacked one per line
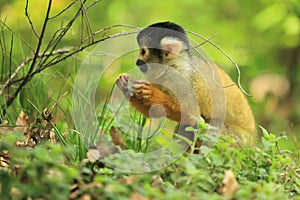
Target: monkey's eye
<point>143,51</point>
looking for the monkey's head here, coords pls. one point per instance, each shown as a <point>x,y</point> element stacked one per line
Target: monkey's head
<point>161,43</point>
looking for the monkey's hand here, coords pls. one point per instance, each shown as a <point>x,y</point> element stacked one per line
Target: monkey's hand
<point>149,100</point>
<point>124,83</point>
<point>137,91</point>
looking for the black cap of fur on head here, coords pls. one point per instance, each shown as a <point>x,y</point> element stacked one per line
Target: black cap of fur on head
<point>153,34</point>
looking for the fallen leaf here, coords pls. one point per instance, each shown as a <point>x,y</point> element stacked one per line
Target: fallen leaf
<point>100,151</point>
<point>130,180</point>
<point>5,127</point>
<point>117,138</point>
<point>22,122</point>
<point>4,159</point>
<point>137,196</point>
<point>93,154</point>
<point>157,180</point>
<point>85,197</point>
<point>229,183</point>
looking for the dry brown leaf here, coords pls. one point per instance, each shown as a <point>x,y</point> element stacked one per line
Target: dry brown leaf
<point>130,180</point>
<point>93,154</point>
<point>117,138</point>
<point>157,180</point>
<point>86,197</point>
<point>38,132</point>
<point>4,159</point>
<point>100,151</point>
<point>229,183</point>
<point>137,196</point>
<point>5,128</point>
<point>22,122</point>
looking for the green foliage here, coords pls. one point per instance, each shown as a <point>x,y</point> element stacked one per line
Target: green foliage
<point>261,36</point>
<point>46,172</point>
<point>36,173</point>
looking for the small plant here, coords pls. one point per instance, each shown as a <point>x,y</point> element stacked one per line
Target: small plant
<point>48,172</point>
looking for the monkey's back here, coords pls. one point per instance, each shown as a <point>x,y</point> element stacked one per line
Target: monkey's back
<point>214,100</point>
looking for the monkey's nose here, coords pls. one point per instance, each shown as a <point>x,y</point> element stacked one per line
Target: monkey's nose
<point>142,65</point>
<point>140,62</point>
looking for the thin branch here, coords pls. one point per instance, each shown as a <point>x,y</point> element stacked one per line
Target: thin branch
<point>12,31</point>
<point>51,42</point>
<point>64,10</point>
<point>209,64</point>
<point>10,81</point>
<point>92,4</point>
<point>206,40</point>
<point>111,27</point>
<point>40,39</point>
<point>227,56</point>
<point>56,40</point>
<point>29,20</point>
<point>3,49</point>
<point>23,83</point>
<point>49,57</point>
<point>10,55</point>
<point>70,5</point>
<point>35,65</point>
<point>53,62</point>
<point>88,23</point>
<point>11,52</point>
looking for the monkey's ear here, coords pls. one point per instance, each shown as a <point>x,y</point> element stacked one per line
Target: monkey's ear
<point>171,46</point>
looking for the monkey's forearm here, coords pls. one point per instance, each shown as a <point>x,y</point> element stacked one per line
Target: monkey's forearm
<point>155,103</point>
<point>151,101</point>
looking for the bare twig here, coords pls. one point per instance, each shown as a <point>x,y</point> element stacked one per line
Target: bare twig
<point>15,34</point>
<point>29,20</point>
<point>70,50</point>
<point>53,61</point>
<point>41,37</point>
<point>63,11</point>
<point>227,56</point>
<point>10,55</point>
<point>51,55</point>
<point>111,27</point>
<point>88,24</point>
<point>27,61</point>
<point>92,4</point>
<point>3,49</point>
<point>206,40</point>
<point>56,39</point>
<point>209,64</point>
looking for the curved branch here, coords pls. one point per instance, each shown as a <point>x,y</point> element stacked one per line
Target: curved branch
<point>41,37</point>
<point>227,56</point>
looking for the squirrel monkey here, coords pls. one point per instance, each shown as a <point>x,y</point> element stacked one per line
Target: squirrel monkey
<point>179,85</point>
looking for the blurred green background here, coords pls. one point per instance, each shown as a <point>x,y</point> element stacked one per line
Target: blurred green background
<point>262,36</point>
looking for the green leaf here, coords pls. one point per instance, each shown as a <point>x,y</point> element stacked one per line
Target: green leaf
<point>190,168</point>
<point>270,16</point>
<point>264,131</point>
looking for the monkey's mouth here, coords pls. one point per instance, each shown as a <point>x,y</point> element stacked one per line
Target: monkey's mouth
<point>143,68</point>
<point>142,65</point>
